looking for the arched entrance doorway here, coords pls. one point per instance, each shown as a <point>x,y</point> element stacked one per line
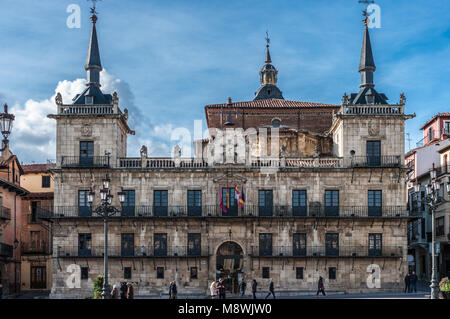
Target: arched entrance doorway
<point>229,262</point>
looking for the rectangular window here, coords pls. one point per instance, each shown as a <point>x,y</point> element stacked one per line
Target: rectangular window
<point>299,241</point>
<point>422,227</point>
<point>84,209</point>
<point>265,202</point>
<point>160,202</point>
<point>160,244</point>
<point>34,210</point>
<point>128,208</point>
<point>331,202</point>
<point>265,244</point>
<point>160,272</point>
<point>194,202</point>
<point>45,181</point>
<point>447,128</point>
<point>440,230</point>
<point>89,99</point>
<point>84,244</point>
<point>266,272</point>
<point>127,244</point>
<point>127,273</point>
<point>332,244</point>
<point>194,244</point>
<point>373,153</point>
<point>375,244</point>
<point>299,273</point>
<point>232,204</point>
<point>430,134</point>
<point>374,199</point>
<point>86,153</point>
<point>194,273</point>
<point>332,273</point>
<point>299,202</point>
<point>84,273</point>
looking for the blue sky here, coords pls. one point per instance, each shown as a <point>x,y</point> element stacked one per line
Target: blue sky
<point>168,59</point>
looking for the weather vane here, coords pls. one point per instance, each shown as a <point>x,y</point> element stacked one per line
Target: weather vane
<point>366,1</point>
<point>93,6</point>
<point>366,17</point>
<point>267,38</point>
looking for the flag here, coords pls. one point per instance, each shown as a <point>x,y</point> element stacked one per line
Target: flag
<point>241,201</point>
<point>228,198</point>
<point>236,192</point>
<point>224,210</point>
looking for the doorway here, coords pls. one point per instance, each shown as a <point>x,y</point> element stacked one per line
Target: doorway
<point>38,277</point>
<point>229,262</point>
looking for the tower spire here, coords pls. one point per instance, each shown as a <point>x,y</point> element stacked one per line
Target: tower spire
<point>366,63</point>
<point>93,64</point>
<point>268,59</point>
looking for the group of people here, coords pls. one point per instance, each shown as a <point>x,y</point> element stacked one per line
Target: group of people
<point>411,282</point>
<point>125,291</point>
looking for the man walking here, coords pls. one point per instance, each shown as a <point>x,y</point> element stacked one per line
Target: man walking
<point>254,288</point>
<point>320,287</point>
<point>271,289</point>
<point>221,289</point>
<point>173,290</point>
<point>413,281</point>
<point>242,287</point>
<point>407,282</point>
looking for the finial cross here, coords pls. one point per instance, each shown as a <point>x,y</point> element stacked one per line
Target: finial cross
<point>93,6</point>
<point>267,38</point>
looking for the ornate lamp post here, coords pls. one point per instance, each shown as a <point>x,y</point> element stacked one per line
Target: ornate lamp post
<point>105,210</point>
<point>433,199</point>
<point>6,121</point>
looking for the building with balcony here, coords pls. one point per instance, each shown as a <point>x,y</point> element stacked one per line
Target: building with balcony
<point>11,194</point>
<point>37,240</point>
<point>281,189</point>
<point>420,161</point>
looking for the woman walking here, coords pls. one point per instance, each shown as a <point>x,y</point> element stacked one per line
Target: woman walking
<point>321,287</point>
<point>173,290</point>
<point>115,292</point>
<point>213,290</point>
<point>254,288</point>
<point>130,291</point>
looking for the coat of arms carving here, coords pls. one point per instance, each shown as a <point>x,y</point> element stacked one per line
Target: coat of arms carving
<point>86,130</point>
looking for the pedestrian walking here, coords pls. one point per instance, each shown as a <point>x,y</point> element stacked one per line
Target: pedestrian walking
<point>242,287</point>
<point>173,290</point>
<point>213,290</point>
<point>123,290</point>
<point>1,291</point>
<point>320,287</point>
<point>115,292</point>
<point>254,288</point>
<point>271,289</point>
<point>221,288</point>
<point>130,291</point>
<point>413,282</point>
<point>407,282</point>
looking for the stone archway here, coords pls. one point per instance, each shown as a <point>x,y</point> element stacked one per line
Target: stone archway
<point>229,265</point>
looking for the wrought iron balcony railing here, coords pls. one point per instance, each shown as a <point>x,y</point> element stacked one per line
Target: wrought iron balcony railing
<point>5,213</point>
<point>314,210</point>
<point>376,161</point>
<point>85,162</point>
<point>36,248</point>
<point>6,250</point>
<point>323,251</point>
<point>137,251</point>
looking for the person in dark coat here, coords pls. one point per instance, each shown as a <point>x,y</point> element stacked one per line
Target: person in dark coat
<point>407,282</point>
<point>271,289</point>
<point>320,287</point>
<point>254,288</point>
<point>221,288</point>
<point>173,290</point>
<point>123,290</point>
<point>242,287</point>
<point>413,281</point>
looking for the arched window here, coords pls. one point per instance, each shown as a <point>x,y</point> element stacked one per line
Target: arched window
<point>276,123</point>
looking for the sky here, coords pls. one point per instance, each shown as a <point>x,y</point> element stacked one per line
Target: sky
<point>168,59</point>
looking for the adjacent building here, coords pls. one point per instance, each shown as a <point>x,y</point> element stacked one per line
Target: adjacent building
<point>321,193</point>
<point>36,246</point>
<point>420,161</point>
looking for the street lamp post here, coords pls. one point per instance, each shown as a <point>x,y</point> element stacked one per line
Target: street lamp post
<point>6,121</point>
<point>105,210</point>
<point>433,199</point>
